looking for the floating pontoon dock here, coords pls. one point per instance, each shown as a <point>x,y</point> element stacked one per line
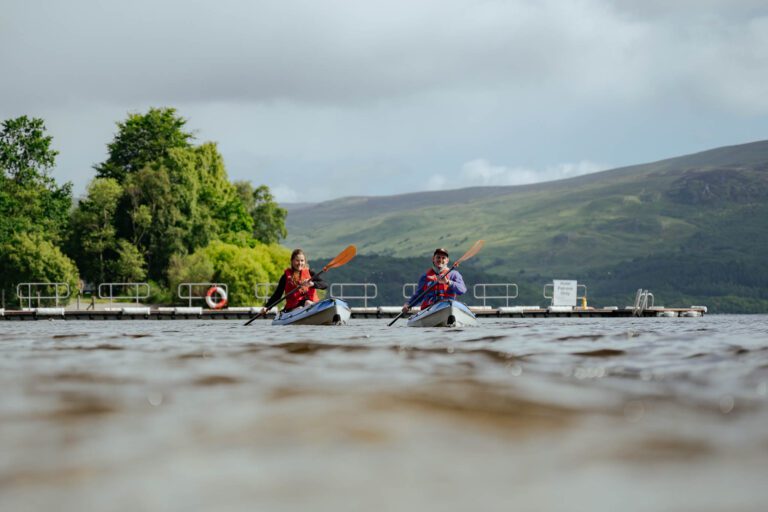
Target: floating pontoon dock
<point>197,313</point>
<point>568,299</point>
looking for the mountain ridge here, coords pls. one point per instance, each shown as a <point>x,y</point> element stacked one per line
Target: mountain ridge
<point>708,157</point>
<point>708,207</point>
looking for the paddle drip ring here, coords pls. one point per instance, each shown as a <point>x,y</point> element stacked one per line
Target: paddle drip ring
<point>218,302</point>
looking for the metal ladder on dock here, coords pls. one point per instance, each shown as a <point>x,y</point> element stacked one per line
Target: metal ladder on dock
<point>641,302</point>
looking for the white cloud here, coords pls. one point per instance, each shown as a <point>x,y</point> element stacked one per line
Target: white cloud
<point>482,173</point>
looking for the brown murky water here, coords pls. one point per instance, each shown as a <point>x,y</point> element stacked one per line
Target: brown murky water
<point>550,414</point>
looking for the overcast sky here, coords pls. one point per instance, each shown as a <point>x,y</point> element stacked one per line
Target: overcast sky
<point>320,99</point>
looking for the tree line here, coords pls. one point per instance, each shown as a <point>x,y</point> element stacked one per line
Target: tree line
<point>160,209</point>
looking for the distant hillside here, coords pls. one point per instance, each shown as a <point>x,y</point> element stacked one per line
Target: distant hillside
<point>692,228</point>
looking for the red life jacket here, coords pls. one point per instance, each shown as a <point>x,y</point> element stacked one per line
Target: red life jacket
<point>437,293</point>
<point>297,299</point>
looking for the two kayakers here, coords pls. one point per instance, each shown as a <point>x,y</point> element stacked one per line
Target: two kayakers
<point>297,276</point>
<point>444,284</point>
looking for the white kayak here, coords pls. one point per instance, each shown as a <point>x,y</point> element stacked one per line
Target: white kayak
<point>447,313</point>
<point>325,312</point>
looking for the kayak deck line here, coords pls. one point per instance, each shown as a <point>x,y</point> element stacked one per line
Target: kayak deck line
<point>244,313</point>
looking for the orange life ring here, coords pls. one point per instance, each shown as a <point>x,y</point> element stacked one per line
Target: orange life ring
<point>221,292</point>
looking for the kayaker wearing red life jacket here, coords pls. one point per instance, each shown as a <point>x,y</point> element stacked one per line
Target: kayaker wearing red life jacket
<point>448,285</point>
<point>298,276</point>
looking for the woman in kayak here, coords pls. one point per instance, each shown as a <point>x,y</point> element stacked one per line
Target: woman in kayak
<point>298,276</point>
<point>445,284</point>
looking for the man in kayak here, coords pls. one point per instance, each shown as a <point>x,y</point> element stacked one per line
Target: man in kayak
<point>298,276</point>
<point>444,284</point>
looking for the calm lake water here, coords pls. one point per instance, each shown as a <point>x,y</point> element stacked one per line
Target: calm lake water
<point>517,414</point>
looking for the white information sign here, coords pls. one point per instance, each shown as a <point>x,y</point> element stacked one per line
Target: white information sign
<point>564,293</point>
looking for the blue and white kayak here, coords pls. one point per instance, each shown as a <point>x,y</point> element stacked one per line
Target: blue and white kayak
<point>447,313</point>
<point>325,312</point>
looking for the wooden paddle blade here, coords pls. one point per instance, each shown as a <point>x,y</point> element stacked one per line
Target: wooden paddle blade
<point>342,258</point>
<point>471,252</point>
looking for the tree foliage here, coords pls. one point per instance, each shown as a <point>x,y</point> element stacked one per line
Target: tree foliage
<point>143,139</point>
<point>240,267</point>
<point>129,266</point>
<point>158,204</point>
<point>92,232</point>
<point>268,216</point>
<point>30,199</point>
<point>180,204</point>
<point>30,258</point>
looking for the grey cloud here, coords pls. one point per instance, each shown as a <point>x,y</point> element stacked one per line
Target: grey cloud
<point>339,52</point>
<point>385,94</point>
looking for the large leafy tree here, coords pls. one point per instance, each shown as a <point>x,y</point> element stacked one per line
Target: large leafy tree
<point>143,139</point>
<point>180,204</point>
<point>268,217</point>
<point>34,210</point>
<point>30,199</point>
<point>93,239</point>
<point>175,199</point>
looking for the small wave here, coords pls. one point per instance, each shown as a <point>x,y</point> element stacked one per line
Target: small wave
<point>88,378</point>
<point>484,338</point>
<point>216,380</point>
<point>81,406</point>
<point>479,402</point>
<point>102,346</point>
<point>496,355</point>
<point>658,449</point>
<point>203,354</point>
<point>311,347</point>
<point>590,337</point>
<point>603,352</point>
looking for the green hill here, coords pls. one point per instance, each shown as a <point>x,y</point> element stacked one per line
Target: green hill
<point>693,229</point>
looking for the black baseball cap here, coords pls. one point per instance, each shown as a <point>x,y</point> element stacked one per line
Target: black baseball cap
<point>440,250</point>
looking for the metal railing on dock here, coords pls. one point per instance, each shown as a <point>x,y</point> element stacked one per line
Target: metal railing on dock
<point>40,289</point>
<point>106,291</point>
<point>483,292</point>
<point>338,290</point>
<point>268,290</point>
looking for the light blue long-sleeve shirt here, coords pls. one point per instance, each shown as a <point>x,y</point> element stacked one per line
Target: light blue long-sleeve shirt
<point>457,287</point>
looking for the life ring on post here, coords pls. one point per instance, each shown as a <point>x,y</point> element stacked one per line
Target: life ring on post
<point>221,295</point>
